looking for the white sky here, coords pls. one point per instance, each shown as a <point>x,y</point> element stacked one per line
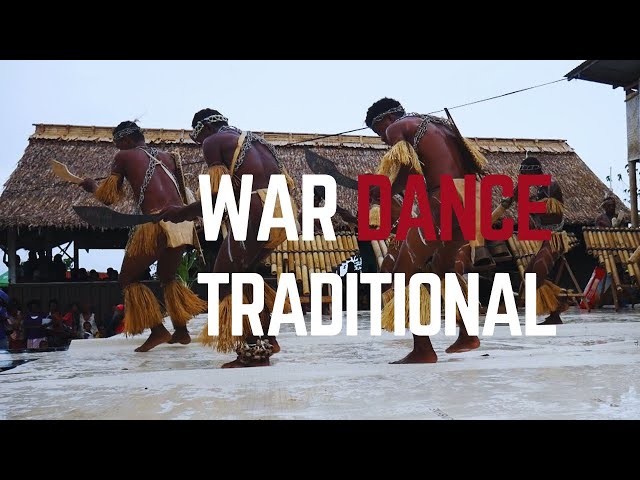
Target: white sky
<point>312,97</point>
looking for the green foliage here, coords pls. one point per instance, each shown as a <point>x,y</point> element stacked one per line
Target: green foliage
<point>186,270</point>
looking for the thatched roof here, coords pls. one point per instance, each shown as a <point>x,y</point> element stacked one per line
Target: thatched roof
<point>34,198</point>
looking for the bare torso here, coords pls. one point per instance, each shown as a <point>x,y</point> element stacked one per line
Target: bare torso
<point>258,161</point>
<point>161,192</point>
<point>438,150</point>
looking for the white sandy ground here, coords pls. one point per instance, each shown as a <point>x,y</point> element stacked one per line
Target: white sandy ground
<point>590,370</point>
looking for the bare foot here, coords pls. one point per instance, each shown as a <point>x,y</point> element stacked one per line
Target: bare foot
<point>251,363</point>
<point>464,344</point>
<point>553,319</point>
<point>276,345</point>
<point>418,357</point>
<point>158,335</point>
<point>181,336</point>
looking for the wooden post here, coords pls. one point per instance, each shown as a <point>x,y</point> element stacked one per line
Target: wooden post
<point>48,248</point>
<point>76,255</point>
<point>633,194</point>
<point>11,241</point>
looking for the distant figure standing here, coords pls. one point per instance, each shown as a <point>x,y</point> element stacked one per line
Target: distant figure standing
<point>58,271</point>
<point>609,218</point>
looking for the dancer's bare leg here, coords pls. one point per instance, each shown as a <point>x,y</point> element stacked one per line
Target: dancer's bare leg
<point>464,342</point>
<point>132,271</point>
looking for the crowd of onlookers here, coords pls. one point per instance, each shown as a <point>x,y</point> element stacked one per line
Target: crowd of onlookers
<point>34,328</point>
<point>41,268</point>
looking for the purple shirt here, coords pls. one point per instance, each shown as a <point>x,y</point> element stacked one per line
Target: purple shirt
<point>29,323</point>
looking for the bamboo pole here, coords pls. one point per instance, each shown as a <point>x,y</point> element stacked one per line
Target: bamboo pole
<point>310,265</point>
<point>586,234</point>
<point>305,281</point>
<point>284,247</point>
<point>595,248</point>
<point>635,234</point>
<point>332,254</point>
<point>624,254</point>
<point>320,254</point>
<point>610,262</point>
<point>279,266</point>
<point>290,257</point>
<point>633,268</point>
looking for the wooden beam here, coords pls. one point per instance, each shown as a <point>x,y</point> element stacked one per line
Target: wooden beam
<point>64,250</point>
<point>76,255</point>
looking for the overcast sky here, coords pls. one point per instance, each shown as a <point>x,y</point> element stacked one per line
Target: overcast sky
<point>312,97</point>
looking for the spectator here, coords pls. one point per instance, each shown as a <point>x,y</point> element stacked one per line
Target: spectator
<point>112,274</point>
<point>87,315</point>
<point>58,331</point>
<point>118,321</point>
<point>4,315</point>
<point>32,324</point>
<point>58,269</point>
<point>111,321</point>
<point>19,267</point>
<point>54,312</point>
<point>72,320</point>
<point>75,275</point>
<point>87,330</point>
<point>93,276</point>
<point>30,266</point>
<point>44,266</point>
<point>83,276</point>
<point>14,327</point>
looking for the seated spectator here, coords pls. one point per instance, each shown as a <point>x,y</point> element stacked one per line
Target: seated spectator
<point>4,315</point>
<point>83,276</point>
<point>58,269</point>
<point>110,321</point>
<point>59,332</point>
<point>86,330</point>
<point>87,315</point>
<point>112,274</point>
<point>72,320</point>
<point>75,275</point>
<point>14,327</point>
<point>118,320</point>
<point>32,324</point>
<point>54,312</point>
<point>93,276</point>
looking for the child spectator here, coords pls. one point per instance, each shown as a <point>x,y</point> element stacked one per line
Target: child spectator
<point>87,330</point>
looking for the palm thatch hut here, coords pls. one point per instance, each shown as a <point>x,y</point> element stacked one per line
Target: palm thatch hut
<point>36,207</point>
